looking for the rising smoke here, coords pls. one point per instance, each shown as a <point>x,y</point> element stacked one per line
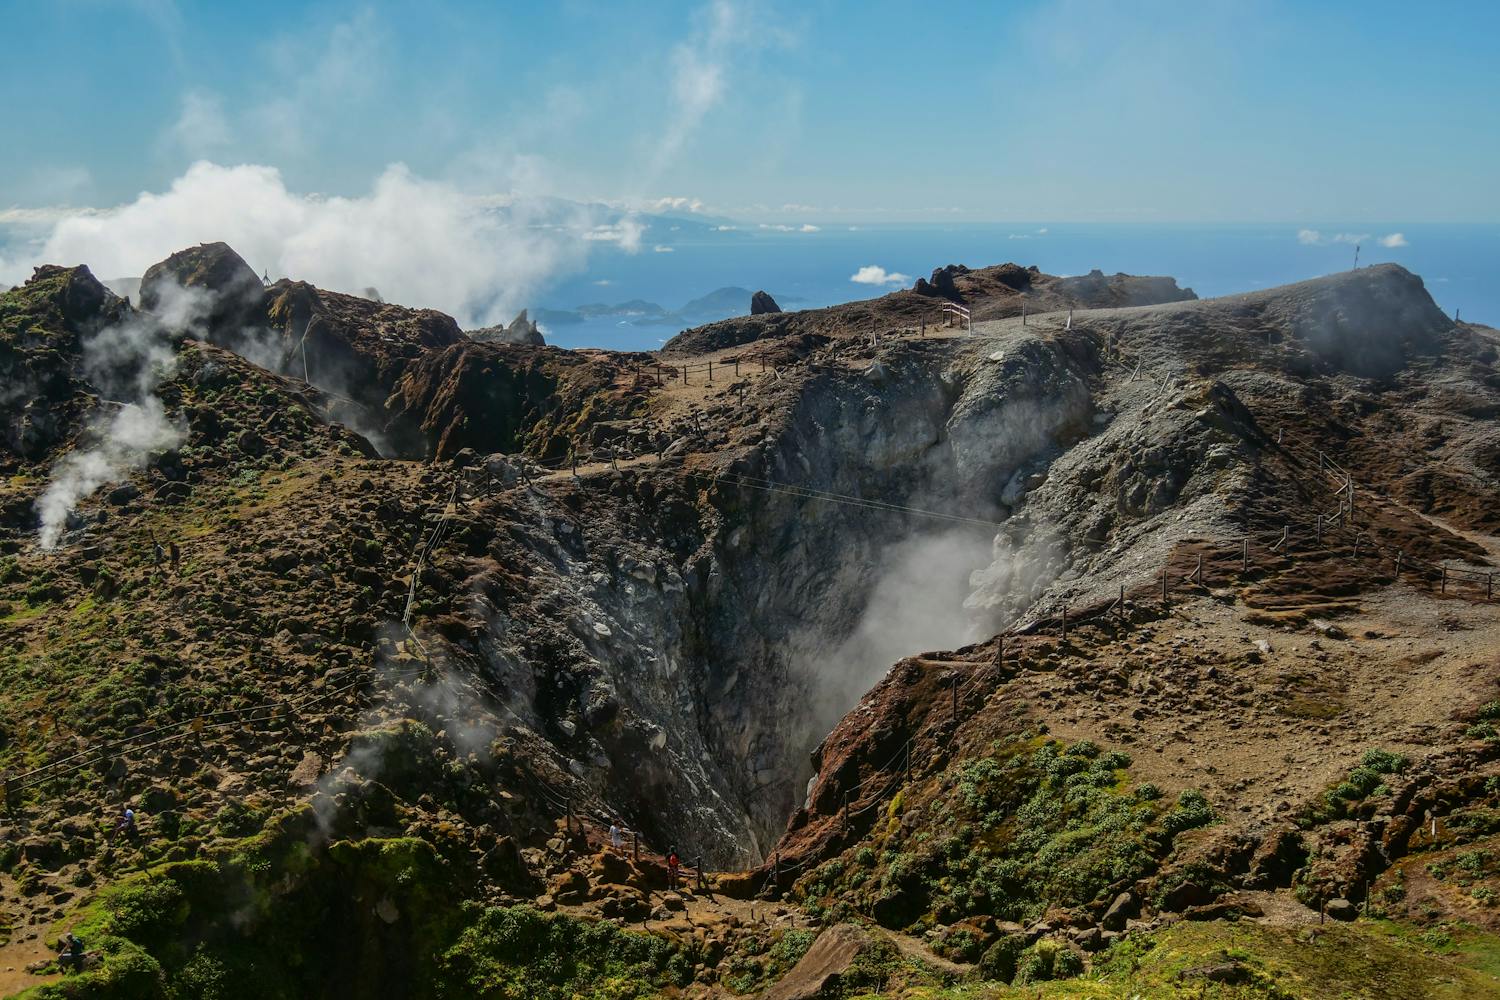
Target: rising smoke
<point>126,362</point>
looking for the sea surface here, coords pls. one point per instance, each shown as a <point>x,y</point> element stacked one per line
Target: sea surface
<point>1459,263</point>
<point>804,265</point>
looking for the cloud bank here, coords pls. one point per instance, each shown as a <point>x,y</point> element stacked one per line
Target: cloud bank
<point>421,242</point>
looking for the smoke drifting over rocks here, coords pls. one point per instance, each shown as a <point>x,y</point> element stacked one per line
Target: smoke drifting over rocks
<point>126,362</point>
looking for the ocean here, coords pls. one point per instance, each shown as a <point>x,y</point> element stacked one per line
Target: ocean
<point>802,269</point>
<point>684,260</point>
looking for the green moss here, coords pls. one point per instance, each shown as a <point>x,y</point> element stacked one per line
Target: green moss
<point>510,953</point>
<point>1035,824</point>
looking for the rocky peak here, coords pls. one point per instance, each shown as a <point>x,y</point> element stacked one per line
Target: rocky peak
<point>235,294</point>
<point>522,330</point>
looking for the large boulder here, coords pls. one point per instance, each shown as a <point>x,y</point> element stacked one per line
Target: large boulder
<point>761,303</point>
<point>821,969</point>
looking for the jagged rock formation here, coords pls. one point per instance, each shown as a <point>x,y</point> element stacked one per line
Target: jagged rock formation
<point>520,331</point>
<point>675,636</point>
<point>761,303</point>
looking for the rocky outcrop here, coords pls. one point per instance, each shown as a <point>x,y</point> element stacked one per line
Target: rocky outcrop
<point>990,292</point>
<point>43,385</point>
<point>209,286</point>
<point>942,283</point>
<point>520,331</point>
<point>503,398</point>
<point>762,303</point>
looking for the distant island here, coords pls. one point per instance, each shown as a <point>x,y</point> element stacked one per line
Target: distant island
<point>722,303</point>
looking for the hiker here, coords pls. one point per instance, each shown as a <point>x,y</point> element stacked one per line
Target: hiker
<point>126,823</point>
<point>174,555</point>
<point>673,863</point>
<point>614,836</point>
<point>157,552</point>
<point>72,952</point>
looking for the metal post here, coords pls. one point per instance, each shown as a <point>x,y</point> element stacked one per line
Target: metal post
<point>1399,556</point>
<point>1318,522</point>
<point>1198,573</point>
<point>955,697</point>
<point>568,819</point>
<point>776,869</point>
<point>1065,623</point>
<point>710,370</point>
<point>1122,602</point>
<point>1358,537</point>
<point>1244,555</point>
<point>573,457</point>
<point>736,366</point>
<point>1320,461</point>
<point>1164,585</point>
<point>1489,590</point>
<point>684,374</point>
<point>844,816</point>
<point>635,846</point>
<point>762,366</point>
<point>1445,580</point>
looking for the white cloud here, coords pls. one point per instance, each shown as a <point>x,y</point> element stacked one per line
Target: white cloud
<point>808,228</point>
<point>1394,240</point>
<point>725,229</point>
<point>872,274</point>
<point>674,205</point>
<point>626,232</point>
<point>1315,238</point>
<point>1042,231</point>
<point>422,243</point>
<point>201,128</point>
<point>664,249</point>
<point>699,66</point>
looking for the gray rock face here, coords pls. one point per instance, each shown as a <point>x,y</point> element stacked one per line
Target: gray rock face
<point>761,303</point>
<point>520,331</point>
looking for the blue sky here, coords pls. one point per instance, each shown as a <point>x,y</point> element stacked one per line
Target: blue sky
<point>1060,110</point>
